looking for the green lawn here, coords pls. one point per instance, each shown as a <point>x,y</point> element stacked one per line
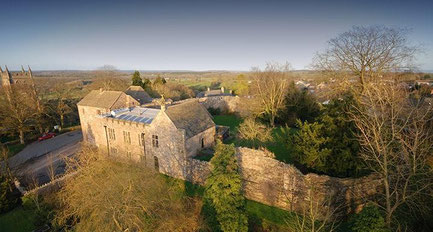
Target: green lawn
<point>229,120</point>
<point>15,148</point>
<point>270,214</point>
<point>17,220</point>
<point>258,214</point>
<point>275,146</point>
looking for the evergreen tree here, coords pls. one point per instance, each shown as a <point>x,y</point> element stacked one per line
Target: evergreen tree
<point>9,194</point>
<point>159,80</point>
<point>224,190</point>
<point>369,219</point>
<point>136,79</point>
<point>299,104</point>
<point>146,83</point>
<point>328,145</point>
<point>309,146</point>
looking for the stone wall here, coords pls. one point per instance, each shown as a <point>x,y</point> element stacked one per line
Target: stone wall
<point>282,185</point>
<point>224,103</point>
<point>194,144</point>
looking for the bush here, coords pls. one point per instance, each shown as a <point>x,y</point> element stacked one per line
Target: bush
<point>254,132</point>
<point>42,211</point>
<point>369,219</point>
<point>9,195</point>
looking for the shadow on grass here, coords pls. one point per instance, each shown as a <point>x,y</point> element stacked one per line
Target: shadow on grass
<point>18,220</point>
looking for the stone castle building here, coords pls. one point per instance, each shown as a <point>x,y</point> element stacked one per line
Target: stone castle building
<point>9,78</point>
<point>163,137</point>
<point>167,137</point>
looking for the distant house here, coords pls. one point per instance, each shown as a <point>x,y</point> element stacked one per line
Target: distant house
<point>138,94</point>
<point>302,85</point>
<point>214,93</point>
<point>423,82</point>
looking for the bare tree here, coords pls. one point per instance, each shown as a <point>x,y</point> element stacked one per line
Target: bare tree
<point>396,138</point>
<point>316,216</point>
<point>108,196</point>
<point>51,167</point>
<point>254,132</point>
<point>18,112</point>
<point>269,87</point>
<point>4,165</point>
<point>62,108</point>
<point>367,52</point>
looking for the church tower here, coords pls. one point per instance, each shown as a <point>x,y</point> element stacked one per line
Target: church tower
<point>6,77</point>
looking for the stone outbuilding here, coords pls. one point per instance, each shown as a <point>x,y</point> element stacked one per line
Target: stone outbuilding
<point>162,137</point>
<point>138,94</point>
<point>214,93</point>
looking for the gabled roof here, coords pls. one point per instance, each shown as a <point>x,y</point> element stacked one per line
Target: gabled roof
<point>190,116</point>
<point>138,94</point>
<point>212,93</point>
<point>106,99</point>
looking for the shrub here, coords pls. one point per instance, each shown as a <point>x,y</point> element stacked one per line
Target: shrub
<point>369,219</point>
<point>9,195</point>
<point>254,132</point>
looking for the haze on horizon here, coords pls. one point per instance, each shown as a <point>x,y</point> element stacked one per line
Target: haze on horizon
<point>192,35</point>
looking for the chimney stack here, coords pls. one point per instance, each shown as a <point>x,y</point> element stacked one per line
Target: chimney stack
<point>162,102</point>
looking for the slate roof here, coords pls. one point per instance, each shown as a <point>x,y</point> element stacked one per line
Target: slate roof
<point>101,99</point>
<point>212,93</point>
<point>190,116</point>
<point>138,94</point>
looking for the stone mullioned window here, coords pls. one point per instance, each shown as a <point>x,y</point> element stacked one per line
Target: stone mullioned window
<point>155,142</point>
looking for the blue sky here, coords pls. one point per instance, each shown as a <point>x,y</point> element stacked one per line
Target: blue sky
<point>192,35</point>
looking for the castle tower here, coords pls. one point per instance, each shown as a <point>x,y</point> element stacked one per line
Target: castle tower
<point>6,77</point>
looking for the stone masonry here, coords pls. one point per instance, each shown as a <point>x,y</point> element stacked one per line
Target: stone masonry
<point>282,185</point>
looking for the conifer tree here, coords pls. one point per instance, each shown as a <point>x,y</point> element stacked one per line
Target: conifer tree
<point>224,190</point>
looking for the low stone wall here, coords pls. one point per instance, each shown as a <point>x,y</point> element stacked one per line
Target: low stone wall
<point>282,185</point>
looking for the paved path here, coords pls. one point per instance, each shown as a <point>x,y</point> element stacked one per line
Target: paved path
<point>37,149</point>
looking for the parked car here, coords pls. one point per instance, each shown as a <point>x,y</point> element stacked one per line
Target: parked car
<point>45,136</point>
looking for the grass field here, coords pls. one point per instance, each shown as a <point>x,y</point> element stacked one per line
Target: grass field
<point>17,220</point>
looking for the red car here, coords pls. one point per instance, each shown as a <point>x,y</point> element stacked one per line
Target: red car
<point>48,135</point>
